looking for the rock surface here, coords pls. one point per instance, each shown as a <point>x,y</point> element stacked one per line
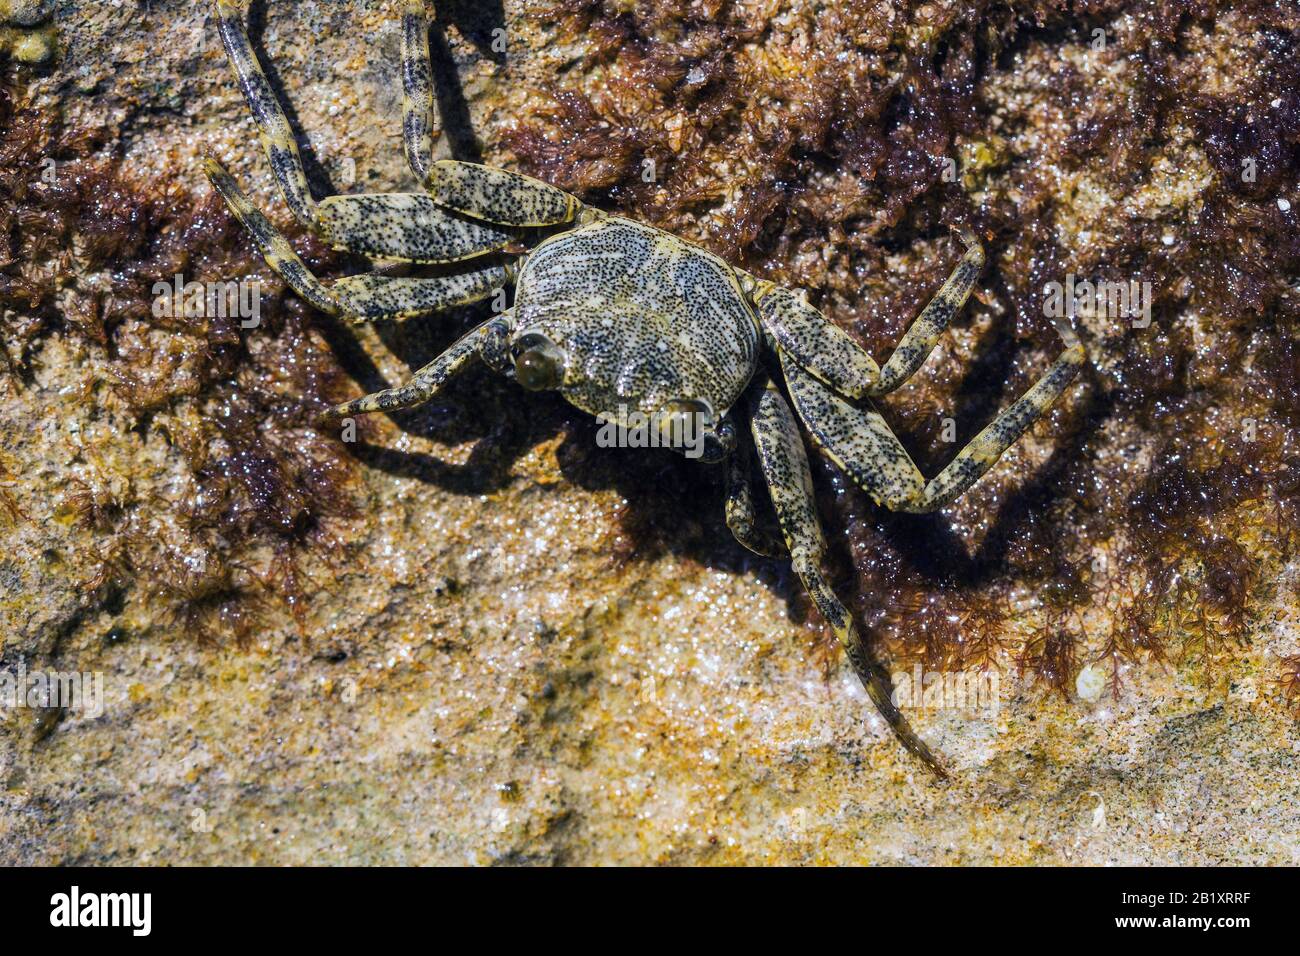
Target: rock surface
<point>516,647</point>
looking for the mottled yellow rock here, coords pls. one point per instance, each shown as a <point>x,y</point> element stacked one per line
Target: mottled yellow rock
<point>486,675</point>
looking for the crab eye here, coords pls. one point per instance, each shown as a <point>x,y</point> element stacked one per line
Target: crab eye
<point>539,363</point>
<point>684,417</point>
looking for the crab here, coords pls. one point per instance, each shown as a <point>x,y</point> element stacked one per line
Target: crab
<point>616,315</point>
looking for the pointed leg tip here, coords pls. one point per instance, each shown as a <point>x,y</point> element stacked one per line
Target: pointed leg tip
<point>1074,346</point>
<point>880,691</point>
<point>220,177</point>
<point>974,247</point>
<point>918,748</point>
<point>328,419</point>
<point>927,757</point>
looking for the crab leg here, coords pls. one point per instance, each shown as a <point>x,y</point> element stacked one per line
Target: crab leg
<point>363,297</point>
<point>498,195</point>
<point>402,226</point>
<point>816,343</point>
<point>741,518</point>
<point>272,125</point>
<point>918,341</point>
<point>425,383</point>
<point>483,192</point>
<point>406,226</point>
<point>860,442</point>
<point>369,298</point>
<point>417,90</point>
<point>274,246</point>
<point>983,451</point>
<point>785,466</point>
<point>822,348</point>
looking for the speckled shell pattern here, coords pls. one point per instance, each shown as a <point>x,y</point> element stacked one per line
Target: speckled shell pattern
<point>642,316</point>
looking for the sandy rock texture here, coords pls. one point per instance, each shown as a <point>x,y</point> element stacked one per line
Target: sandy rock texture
<point>475,637</point>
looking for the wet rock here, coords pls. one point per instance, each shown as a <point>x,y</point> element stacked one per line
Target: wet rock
<point>473,635</point>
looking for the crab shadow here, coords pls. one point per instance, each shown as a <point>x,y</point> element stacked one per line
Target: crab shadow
<point>942,558</point>
<point>675,505</point>
<point>317,176</point>
<point>481,22</point>
<point>501,420</point>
